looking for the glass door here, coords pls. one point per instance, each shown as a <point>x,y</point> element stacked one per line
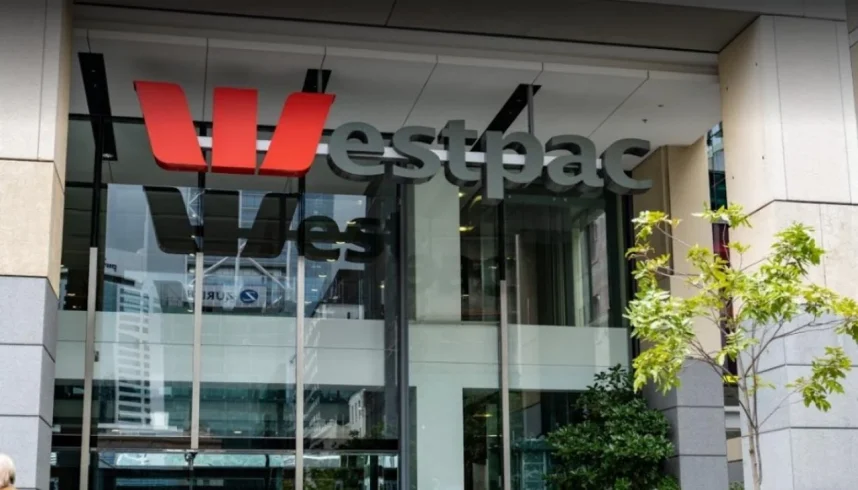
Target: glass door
<point>189,470</point>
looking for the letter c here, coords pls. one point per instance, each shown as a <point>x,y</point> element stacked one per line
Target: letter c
<point>618,181</point>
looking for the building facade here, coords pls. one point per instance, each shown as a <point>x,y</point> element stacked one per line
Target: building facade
<point>380,246</point>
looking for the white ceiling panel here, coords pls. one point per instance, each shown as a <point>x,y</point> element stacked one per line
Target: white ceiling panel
<point>602,21</point>
<point>469,89</point>
<point>373,87</point>
<point>364,12</point>
<point>274,70</point>
<point>128,58</point>
<point>577,99</point>
<point>668,109</point>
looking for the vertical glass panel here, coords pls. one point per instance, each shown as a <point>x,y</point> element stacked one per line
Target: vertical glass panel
<point>65,468</point>
<point>454,265</point>
<point>144,324</point>
<point>350,331</point>
<point>350,471</point>
<point>182,469</point>
<point>247,388</point>
<point>560,314</point>
<point>71,318</point>
<point>72,299</point>
<point>124,469</point>
<point>254,471</point>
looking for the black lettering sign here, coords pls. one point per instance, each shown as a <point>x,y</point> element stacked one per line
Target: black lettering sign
<point>355,152</point>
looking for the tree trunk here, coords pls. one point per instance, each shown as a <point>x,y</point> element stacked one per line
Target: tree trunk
<point>751,425</point>
<point>754,454</point>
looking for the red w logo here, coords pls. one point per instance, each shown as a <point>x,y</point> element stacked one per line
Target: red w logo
<point>174,138</point>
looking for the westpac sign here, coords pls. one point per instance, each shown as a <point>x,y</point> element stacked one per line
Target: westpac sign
<point>357,150</point>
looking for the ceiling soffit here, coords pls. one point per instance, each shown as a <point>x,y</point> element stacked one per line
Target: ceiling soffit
<point>609,23</point>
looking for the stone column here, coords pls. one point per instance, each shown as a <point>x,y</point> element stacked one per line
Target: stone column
<point>437,290</point>
<point>791,153</point>
<point>35,36</point>
<point>680,178</point>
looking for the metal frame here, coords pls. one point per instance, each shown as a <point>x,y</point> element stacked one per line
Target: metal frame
<point>199,275</point>
<point>503,345</point>
<point>402,348</point>
<point>299,374</point>
<point>91,303</point>
<point>300,296</point>
<point>88,370</point>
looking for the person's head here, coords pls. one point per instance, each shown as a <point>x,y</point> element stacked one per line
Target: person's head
<point>7,471</point>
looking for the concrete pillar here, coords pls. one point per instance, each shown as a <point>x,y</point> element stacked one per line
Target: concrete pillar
<point>695,411</point>
<point>791,153</point>
<point>34,90</point>
<point>437,251</point>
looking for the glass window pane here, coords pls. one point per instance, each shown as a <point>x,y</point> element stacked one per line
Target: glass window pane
<point>144,324</point>
<point>560,314</point>
<point>247,389</point>
<point>351,309</point>
<point>71,318</point>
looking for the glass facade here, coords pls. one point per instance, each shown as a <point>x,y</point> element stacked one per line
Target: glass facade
<point>194,371</point>
<point>322,332</point>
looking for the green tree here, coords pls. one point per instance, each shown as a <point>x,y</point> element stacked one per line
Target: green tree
<point>769,300</point>
<point>618,443</point>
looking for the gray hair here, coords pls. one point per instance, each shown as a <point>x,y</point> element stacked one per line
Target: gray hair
<point>7,471</point>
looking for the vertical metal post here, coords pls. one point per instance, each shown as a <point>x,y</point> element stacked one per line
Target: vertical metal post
<point>504,373</point>
<point>88,370</point>
<point>530,114</point>
<point>518,306</point>
<point>299,345</point>
<point>503,354</point>
<point>199,278</point>
<point>403,377</point>
<point>91,305</point>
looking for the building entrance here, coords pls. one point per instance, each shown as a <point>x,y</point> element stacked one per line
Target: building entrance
<point>183,470</point>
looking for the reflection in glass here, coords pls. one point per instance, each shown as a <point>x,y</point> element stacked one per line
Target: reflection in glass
<point>182,469</point>
<point>350,319</point>
<point>65,468</point>
<point>356,471</point>
<point>71,317</point>
<point>248,324</point>
<point>144,325</point>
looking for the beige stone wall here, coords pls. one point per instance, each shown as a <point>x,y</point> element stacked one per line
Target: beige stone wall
<point>36,61</point>
<point>791,155</point>
<point>791,149</point>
